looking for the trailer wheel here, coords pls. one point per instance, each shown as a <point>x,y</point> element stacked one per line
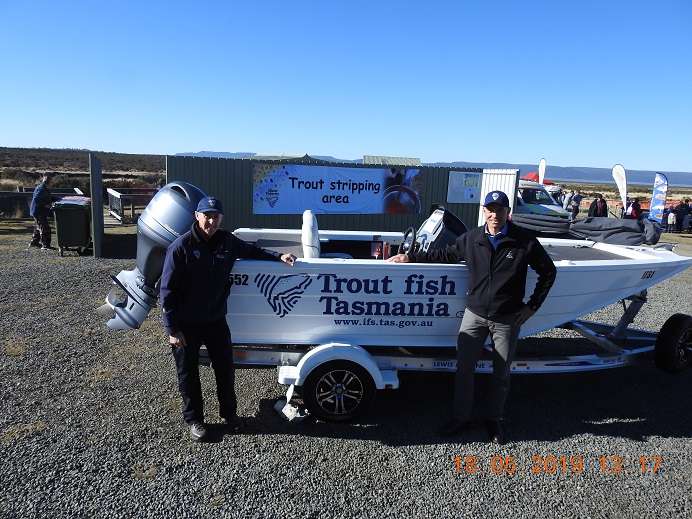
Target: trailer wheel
<point>674,344</point>
<point>337,391</point>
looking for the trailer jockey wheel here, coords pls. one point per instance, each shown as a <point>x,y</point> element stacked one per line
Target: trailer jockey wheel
<point>674,344</point>
<point>409,241</point>
<point>337,391</point>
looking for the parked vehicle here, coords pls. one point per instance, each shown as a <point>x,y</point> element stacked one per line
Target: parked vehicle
<point>534,199</point>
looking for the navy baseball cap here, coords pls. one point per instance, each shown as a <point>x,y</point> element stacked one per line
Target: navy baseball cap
<point>496,197</point>
<point>210,204</point>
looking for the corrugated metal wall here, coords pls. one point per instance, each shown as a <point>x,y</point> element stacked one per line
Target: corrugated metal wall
<point>231,181</point>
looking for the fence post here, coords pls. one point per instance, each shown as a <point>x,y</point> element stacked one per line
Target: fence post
<point>96,184</point>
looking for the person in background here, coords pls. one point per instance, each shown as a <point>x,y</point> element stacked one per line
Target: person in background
<point>566,200</point>
<point>497,255</point>
<point>41,202</point>
<point>634,210</point>
<point>194,291</point>
<point>682,216</point>
<point>598,207</point>
<point>575,205</point>
<point>671,221</point>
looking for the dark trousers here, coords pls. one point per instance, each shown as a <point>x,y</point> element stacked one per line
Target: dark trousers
<point>474,332</point>
<point>41,231</point>
<point>217,338</point>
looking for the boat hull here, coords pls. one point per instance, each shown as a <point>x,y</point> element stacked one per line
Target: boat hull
<point>374,303</point>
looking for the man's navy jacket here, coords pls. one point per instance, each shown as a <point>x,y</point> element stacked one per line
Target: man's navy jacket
<point>40,201</point>
<point>497,278</point>
<point>196,277</point>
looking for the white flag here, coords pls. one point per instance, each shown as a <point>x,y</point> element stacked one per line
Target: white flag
<point>620,178</point>
<point>541,171</point>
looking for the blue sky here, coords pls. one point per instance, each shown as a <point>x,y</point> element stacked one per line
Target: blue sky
<point>579,83</point>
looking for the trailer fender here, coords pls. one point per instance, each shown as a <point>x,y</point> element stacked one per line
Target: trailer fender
<point>383,379</point>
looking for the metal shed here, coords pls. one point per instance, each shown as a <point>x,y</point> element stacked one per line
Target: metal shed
<point>231,180</point>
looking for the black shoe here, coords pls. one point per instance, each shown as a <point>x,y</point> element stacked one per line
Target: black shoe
<point>198,432</point>
<point>454,427</point>
<point>233,425</point>
<point>496,431</point>
<point>47,247</point>
<point>32,244</point>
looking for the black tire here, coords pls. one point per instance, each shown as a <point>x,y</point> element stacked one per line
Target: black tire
<point>326,397</point>
<point>674,344</point>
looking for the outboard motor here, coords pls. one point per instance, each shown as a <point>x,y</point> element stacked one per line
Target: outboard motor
<point>169,215</point>
<point>442,228</point>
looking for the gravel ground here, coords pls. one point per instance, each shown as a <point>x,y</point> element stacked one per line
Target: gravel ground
<point>90,425</point>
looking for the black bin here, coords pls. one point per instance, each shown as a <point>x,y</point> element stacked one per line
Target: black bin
<point>73,223</point>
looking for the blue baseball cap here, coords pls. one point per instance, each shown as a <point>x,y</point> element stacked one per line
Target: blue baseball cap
<point>210,204</point>
<point>496,197</point>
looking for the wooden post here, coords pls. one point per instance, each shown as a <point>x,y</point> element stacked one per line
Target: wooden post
<point>96,184</point>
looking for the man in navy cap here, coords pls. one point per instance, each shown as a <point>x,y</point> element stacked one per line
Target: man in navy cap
<point>497,255</point>
<point>194,288</point>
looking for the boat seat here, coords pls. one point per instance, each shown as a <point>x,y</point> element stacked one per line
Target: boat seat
<point>310,239</point>
<point>310,235</point>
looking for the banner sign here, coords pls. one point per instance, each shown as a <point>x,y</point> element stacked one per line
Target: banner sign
<point>293,188</point>
<point>658,199</point>
<point>464,187</point>
<point>620,178</point>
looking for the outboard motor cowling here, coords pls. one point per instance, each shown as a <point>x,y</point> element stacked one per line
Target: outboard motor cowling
<point>441,229</point>
<point>169,215</point>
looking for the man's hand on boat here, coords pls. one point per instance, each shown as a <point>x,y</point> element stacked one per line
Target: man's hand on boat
<point>288,259</point>
<point>524,315</point>
<point>177,340</point>
<point>399,258</point>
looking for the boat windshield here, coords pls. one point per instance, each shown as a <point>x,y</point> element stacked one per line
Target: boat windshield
<point>536,196</point>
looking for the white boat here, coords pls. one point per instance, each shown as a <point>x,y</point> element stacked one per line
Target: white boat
<point>327,299</point>
<point>344,317</point>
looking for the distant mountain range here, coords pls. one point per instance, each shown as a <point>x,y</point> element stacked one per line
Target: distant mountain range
<point>556,173</point>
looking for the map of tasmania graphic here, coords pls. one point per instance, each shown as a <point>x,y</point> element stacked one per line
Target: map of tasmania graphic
<point>282,292</point>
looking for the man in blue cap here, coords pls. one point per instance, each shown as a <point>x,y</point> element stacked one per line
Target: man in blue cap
<point>194,288</point>
<point>497,255</point>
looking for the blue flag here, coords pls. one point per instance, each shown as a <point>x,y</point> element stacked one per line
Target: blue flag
<point>658,200</point>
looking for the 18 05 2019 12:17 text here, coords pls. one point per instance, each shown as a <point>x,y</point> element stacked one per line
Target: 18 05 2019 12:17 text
<point>557,465</point>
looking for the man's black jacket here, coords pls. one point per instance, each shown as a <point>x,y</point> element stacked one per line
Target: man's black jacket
<point>196,276</point>
<point>498,277</point>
